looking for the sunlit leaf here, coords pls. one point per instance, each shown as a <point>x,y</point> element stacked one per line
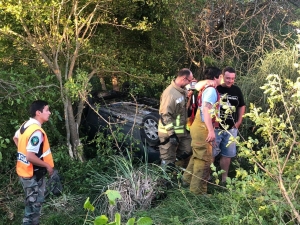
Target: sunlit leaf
<point>87,205</point>
<point>112,196</point>
<point>100,220</point>
<point>144,221</point>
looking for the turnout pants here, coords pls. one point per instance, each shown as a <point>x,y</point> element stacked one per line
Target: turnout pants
<point>169,152</point>
<point>198,170</point>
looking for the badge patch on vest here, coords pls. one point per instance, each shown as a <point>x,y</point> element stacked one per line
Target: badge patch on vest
<point>34,141</point>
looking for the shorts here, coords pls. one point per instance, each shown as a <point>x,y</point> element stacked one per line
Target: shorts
<point>221,142</point>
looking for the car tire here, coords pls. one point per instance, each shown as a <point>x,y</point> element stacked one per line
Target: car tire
<point>149,129</point>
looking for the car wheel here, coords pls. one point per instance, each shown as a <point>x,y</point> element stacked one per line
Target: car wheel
<point>149,130</point>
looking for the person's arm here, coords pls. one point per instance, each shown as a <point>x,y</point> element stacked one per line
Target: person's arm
<point>166,111</point>
<point>208,121</point>
<point>202,83</point>
<point>241,111</point>
<point>16,140</point>
<point>16,137</point>
<point>31,157</point>
<point>189,96</point>
<point>209,97</point>
<point>33,147</point>
<point>241,108</point>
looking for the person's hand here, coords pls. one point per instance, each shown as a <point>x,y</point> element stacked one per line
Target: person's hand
<point>211,136</point>
<point>189,94</point>
<point>173,139</point>
<point>237,125</point>
<point>50,170</point>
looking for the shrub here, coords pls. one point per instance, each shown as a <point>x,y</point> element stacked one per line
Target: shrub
<point>271,189</point>
<point>102,220</point>
<point>138,186</point>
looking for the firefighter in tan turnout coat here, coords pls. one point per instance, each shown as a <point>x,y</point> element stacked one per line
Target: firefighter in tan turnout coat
<point>175,139</point>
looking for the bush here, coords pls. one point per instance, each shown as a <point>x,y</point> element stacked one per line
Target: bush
<point>270,191</point>
<point>137,184</point>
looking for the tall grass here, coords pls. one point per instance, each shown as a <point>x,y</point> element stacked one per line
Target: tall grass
<point>138,185</point>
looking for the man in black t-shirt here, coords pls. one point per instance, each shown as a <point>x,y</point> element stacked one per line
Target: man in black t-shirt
<point>232,109</point>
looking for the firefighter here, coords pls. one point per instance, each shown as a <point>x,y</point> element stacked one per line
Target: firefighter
<point>203,136</point>
<point>175,139</point>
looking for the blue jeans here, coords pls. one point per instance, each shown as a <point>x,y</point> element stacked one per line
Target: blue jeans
<point>221,143</point>
<point>34,198</point>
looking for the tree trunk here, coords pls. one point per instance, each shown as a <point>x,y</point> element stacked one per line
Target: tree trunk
<point>103,85</point>
<point>72,125</point>
<point>73,141</point>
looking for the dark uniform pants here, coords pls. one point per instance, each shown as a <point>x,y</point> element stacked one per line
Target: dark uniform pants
<point>34,197</point>
<point>198,169</point>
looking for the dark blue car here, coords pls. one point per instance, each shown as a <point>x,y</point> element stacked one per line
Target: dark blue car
<point>138,121</point>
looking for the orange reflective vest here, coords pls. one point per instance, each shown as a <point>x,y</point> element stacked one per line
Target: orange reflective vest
<point>24,167</point>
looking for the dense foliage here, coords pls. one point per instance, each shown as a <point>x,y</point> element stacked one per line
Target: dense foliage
<point>62,51</point>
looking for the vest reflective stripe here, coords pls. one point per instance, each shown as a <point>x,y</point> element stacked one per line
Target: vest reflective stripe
<point>24,167</point>
<point>178,120</point>
<point>169,126</point>
<point>162,130</point>
<point>46,153</point>
<point>177,129</point>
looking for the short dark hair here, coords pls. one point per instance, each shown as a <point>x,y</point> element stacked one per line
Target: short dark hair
<point>37,105</point>
<point>184,72</point>
<point>228,69</point>
<point>212,72</point>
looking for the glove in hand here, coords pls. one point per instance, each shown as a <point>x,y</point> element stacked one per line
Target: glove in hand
<point>174,139</point>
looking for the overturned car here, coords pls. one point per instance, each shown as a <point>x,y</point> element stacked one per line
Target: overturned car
<point>137,120</point>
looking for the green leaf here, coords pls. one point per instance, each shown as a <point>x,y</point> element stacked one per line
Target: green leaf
<point>130,221</point>
<point>100,220</point>
<point>255,168</point>
<point>118,218</point>
<point>144,221</point>
<point>87,205</point>
<point>112,196</point>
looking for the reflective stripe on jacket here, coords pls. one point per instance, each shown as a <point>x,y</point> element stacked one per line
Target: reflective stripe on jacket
<point>24,167</point>
<point>172,110</point>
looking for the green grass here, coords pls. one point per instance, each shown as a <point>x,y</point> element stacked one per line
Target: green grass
<point>170,205</point>
<point>182,207</point>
